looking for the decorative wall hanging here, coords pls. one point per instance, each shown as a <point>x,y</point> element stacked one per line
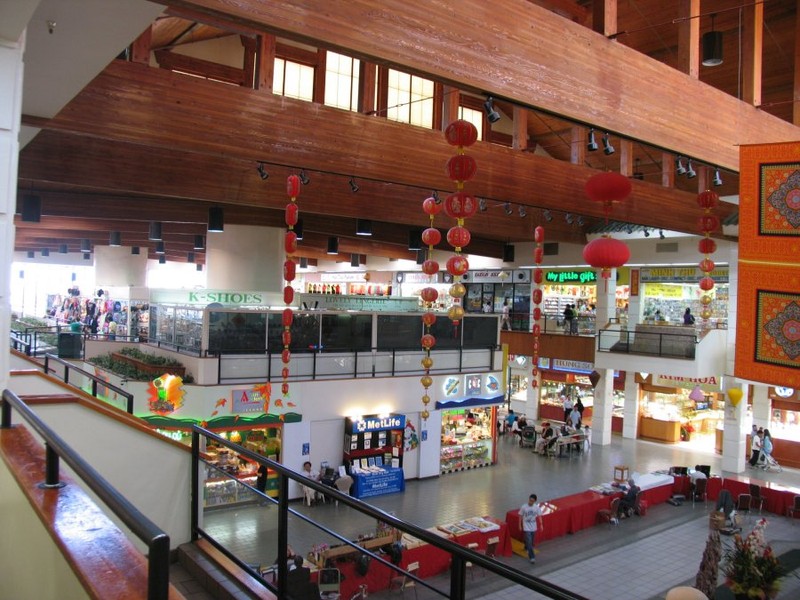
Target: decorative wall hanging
<point>290,246</point>
<point>708,223</point>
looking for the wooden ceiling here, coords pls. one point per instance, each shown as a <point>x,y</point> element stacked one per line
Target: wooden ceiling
<point>142,143</point>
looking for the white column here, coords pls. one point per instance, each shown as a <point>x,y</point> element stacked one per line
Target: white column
<point>606,307</point>
<point>762,406</point>
<point>630,422</point>
<point>734,436</point>
<point>532,397</point>
<point>11,69</point>
<point>116,266</point>
<point>244,257</point>
<point>603,407</point>
<point>635,307</point>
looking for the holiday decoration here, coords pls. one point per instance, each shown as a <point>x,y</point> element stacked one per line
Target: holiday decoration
<point>289,273</point>
<point>605,252</point>
<point>607,188</point>
<point>537,297</point>
<point>707,224</point>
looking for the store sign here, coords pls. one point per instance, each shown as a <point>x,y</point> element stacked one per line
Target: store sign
<point>544,363</point>
<point>340,277</point>
<point>492,385</point>
<point>707,384</point>
<point>681,274</point>
<point>360,303</point>
<point>205,297</point>
<point>248,400</point>
<point>634,287</point>
<point>784,392</point>
<point>451,386</point>
<point>575,366</point>
<point>370,424</point>
<point>417,277</point>
<point>582,277</point>
<point>498,276</point>
<point>474,384</point>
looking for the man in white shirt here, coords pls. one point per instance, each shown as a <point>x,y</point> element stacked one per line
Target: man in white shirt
<point>530,521</point>
<point>567,401</point>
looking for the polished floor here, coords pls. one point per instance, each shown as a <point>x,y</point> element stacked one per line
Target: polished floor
<point>642,558</point>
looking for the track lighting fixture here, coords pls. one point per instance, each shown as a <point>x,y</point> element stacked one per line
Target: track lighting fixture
<point>690,172</point>
<point>216,219</point>
<point>115,239</point>
<point>661,234</point>
<point>262,172</point>
<point>303,177</point>
<point>482,204</point>
<point>679,168</point>
<point>637,174</point>
<point>508,209</point>
<point>435,196</point>
<point>522,212</point>
<point>154,234</point>
<point>162,260</point>
<point>646,232</point>
<point>547,216</point>
<point>591,146</point>
<point>608,149</point>
<point>569,218</point>
<point>629,229</point>
<point>580,221</point>
<point>333,245</point>
<point>160,248</point>
<point>298,230</point>
<point>355,260</point>
<point>363,227</point>
<point>303,262</point>
<point>717,181</point>
<point>712,46</point>
<point>86,245</point>
<point>135,250</point>
<point>199,243</point>
<point>353,185</point>
<point>491,114</point>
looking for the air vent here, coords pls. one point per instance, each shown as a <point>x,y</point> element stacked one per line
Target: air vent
<point>550,248</point>
<point>667,247</point>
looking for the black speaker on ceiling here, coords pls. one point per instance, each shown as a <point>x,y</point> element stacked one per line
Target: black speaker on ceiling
<point>31,208</point>
<point>508,253</point>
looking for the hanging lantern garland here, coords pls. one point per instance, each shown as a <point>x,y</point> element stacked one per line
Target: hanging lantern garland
<point>430,237</point>
<point>290,246</point>
<point>708,223</point>
<point>459,206</point>
<point>538,277</point>
<point>606,253</point>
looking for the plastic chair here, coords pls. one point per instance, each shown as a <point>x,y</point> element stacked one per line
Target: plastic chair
<point>330,582</point>
<point>700,491</point>
<point>757,498</point>
<point>402,582</point>
<point>609,515</point>
<point>793,510</point>
<point>343,484</point>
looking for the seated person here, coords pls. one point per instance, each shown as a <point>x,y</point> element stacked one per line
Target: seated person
<point>309,495</point>
<point>548,434</point>
<point>694,475</point>
<point>627,505</point>
<point>298,582</point>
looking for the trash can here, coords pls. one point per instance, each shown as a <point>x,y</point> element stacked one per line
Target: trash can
<point>69,345</point>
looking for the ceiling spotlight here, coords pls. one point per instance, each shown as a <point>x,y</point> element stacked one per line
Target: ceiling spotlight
<point>580,221</point>
<point>569,218</point>
<point>363,227</point>
<point>717,181</point>
<point>637,174</point>
<point>353,185</point>
<point>333,245</point>
<point>303,177</point>
<point>482,204</point>
<point>491,114</point>
<point>690,172</point>
<point>679,168</point>
<point>435,196</point>
<point>547,216</point>
<point>262,172</point>
<point>629,229</point>
<point>591,146</point>
<point>661,234</point>
<point>608,149</point>
<point>522,212</point>
<point>646,232</point>
<point>712,46</point>
<point>508,209</point>
<point>154,233</point>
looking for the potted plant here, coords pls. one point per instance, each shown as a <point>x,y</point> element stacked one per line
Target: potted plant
<point>751,569</point>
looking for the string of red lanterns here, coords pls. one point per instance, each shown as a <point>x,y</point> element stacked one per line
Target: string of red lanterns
<point>289,272</point>
<point>537,297</point>
<point>707,223</point>
<point>430,237</point>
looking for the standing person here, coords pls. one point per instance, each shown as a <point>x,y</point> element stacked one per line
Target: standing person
<point>579,407</point>
<point>575,418</point>
<point>567,401</point>
<point>573,324</point>
<point>530,521</point>
<point>505,322</point>
<point>510,419</point>
<point>688,317</point>
<point>569,315</point>
<point>112,330</point>
<point>261,479</point>
<point>755,445</point>
<point>767,446</point>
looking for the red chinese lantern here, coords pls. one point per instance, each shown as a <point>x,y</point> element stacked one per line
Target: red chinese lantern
<point>707,246</point>
<point>707,200</point>
<point>286,356</point>
<point>708,223</point>
<point>460,205</point>
<point>607,188</point>
<point>285,388</point>
<point>290,242</point>
<point>537,296</point>
<point>537,313</point>
<point>458,237</point>
<point>429,319</point>
<point>431,207</point>
<point>706,284</point>
<point>289,270</point>
<point>707,265</point>
<point>288,317</point>
<point>538,275</point>
<point>538,234</point>
<point>430,267</point>
<point>286,337</point>
<point>538,255</point>
<point>290,216</point>
<point>293,186</point>
<point>606,253</point>
<point>461,167</point>
<point>457,265</point>
<point>285,372</point>
<point>428,341</point>
<point>461,133</point>
<point>537,329</point>
<point>429,294</point>
<point>431,236</point>
<point>288,294</point>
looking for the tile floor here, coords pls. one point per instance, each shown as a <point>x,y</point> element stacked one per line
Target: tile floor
<point>642,558</point>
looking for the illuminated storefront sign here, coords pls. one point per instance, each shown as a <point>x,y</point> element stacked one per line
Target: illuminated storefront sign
<point>570,277</point>
<point>680,274</point>
<point>707,384</point>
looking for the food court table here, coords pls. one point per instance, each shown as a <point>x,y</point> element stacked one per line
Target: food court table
<point>388,481</point>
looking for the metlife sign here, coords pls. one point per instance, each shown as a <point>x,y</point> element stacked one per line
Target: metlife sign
<point>370,424</point>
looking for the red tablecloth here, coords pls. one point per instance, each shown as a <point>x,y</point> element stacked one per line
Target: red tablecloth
<point>777,498</point>
<point>683,483</point>
<point>563,515</point>
<point>658,494</point>
<point>482,539</point>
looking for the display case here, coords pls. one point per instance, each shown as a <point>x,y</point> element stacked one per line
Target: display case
<point>468,437</point>
<point>466,456</point>
<point>224,491</point>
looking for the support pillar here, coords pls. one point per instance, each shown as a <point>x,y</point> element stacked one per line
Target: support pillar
<point>630,421</point>
<point>734,436</point>
<point>606,307</point>
<point>603,408</point>
<point>762,406</point>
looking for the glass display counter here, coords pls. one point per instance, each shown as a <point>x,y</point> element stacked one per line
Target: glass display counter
<point>466,456</point>
<point>467,439</point>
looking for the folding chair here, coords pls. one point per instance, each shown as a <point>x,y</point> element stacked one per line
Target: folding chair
<point>743,503</point>
<point>793,510</point>
<point>757,498</point>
